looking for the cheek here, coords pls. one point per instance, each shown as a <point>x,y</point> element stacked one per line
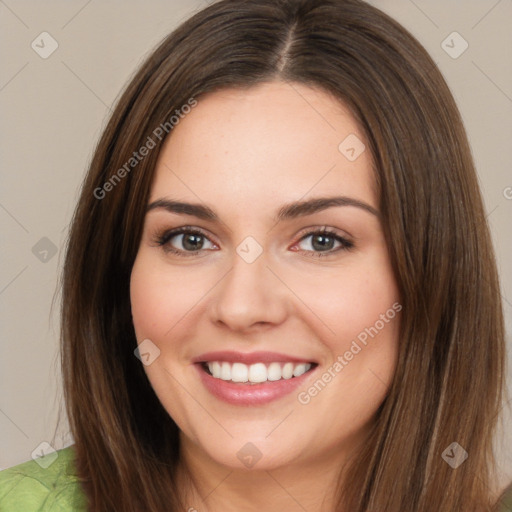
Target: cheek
<point>363,351</point>
<point>351,301</point>
<point>149,303</point>
<point>359,313</point>
<point>160,298</point>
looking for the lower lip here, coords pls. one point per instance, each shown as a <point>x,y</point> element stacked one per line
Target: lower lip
<point>250,394</point>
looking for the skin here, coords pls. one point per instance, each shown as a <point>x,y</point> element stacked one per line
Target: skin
<point>245,153</point>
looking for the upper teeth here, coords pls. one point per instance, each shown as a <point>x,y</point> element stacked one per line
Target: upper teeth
<point>258,372</point>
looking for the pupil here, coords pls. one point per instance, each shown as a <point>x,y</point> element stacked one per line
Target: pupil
<point>196,239</point>
<point>323,245</point>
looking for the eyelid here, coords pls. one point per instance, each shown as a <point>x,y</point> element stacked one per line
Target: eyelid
<point>328,229</point>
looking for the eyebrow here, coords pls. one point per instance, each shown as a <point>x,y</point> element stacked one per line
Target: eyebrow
<point>288,211</point>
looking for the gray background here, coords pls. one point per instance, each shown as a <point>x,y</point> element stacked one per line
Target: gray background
<point>53,110</point>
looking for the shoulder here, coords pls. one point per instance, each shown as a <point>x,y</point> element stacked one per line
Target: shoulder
<point>35,486</point>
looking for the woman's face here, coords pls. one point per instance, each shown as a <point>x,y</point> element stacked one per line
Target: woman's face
<point>248,289</point>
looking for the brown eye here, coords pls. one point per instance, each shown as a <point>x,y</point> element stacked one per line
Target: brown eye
<point>192,241</point>
<point>323,243</point>
<point>184,240</point>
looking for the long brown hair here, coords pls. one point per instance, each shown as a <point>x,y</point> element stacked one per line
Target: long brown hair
<point>449,377</point>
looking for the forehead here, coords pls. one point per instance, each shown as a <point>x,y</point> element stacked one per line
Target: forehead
<point>268,144</point>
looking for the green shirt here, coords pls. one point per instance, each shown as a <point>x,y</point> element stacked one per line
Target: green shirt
<point>29,487</point>
<point>506,501</point>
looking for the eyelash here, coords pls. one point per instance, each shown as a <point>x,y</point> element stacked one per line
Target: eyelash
<point>163,239</point>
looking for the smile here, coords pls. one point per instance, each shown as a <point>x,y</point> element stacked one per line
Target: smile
<point>252,379</point>
<point>255,373</point>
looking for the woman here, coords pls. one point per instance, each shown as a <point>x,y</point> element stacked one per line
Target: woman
<point>280,290</point>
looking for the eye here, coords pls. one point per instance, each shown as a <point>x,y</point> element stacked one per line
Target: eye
<point>323,243</point>
<point>189,241</point>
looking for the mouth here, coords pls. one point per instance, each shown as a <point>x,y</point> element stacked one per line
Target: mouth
<point>252,379</point>
<point>256,373</point>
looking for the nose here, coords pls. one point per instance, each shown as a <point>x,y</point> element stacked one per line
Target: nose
<point>249,296</point>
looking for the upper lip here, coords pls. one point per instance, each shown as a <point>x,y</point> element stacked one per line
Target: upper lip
<point>249,357</point>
